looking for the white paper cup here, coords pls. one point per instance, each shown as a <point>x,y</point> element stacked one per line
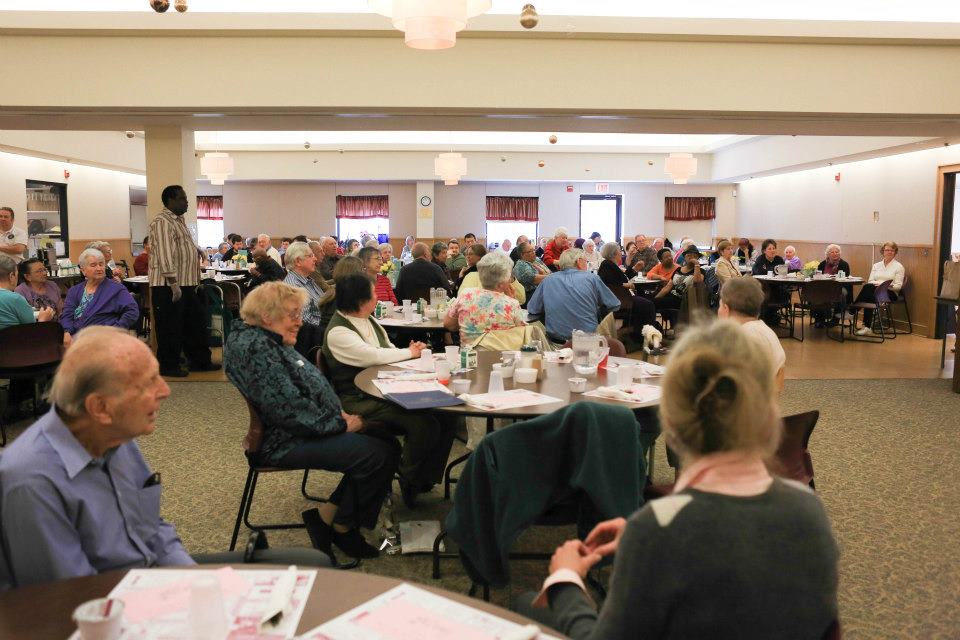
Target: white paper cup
<point>577,385</point>
<point>453,356</point>
<point>92,622</point>
<point>496,382</point>
<point>625,373</point>
<point>506,371</point>
<point>426,360</point>
<point>523,375</point>
<point>461,385</point>
<point>443,371</point>
<point>416,317</point>
<point>406,305</point>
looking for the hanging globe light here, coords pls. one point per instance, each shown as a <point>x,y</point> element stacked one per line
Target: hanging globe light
<point>430,24</point>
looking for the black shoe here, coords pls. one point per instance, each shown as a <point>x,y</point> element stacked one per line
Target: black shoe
<point>207,366</point>
<point>353,544</point>
<point>409,493</point>
<point>321,533</point>
<point>174,373</point>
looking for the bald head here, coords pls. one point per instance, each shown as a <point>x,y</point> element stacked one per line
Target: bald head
<point>102,361</point>
<point>420,250</point>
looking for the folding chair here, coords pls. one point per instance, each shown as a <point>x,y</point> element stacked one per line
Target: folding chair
<point>821,295</point>
<point>879,306</point>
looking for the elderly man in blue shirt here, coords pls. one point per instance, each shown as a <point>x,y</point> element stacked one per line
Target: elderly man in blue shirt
<point>76,496</point>
<point>572,298</point>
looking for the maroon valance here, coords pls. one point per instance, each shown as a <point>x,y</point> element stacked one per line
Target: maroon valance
<point>690,208</point>
<point>360,207</point>
<point>513,209</point>
<point>209,207</point>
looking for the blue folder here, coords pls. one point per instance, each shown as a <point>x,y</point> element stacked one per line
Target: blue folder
<point>424,399</point>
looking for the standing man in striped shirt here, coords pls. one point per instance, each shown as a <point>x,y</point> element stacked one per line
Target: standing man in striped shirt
<point>174,273</point>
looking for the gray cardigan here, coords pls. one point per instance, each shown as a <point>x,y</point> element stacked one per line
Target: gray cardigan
<point>697,564</point>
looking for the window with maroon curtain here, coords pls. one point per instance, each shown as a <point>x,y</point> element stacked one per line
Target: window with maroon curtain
<point>513,209</point>
<point>209,207</point>
<point>690,209</point>
<point>359,207</point>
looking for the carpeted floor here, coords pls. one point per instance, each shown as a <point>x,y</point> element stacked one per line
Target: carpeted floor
<point>887,460</point>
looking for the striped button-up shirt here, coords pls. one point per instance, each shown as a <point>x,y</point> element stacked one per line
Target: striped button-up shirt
<point>311,312</point>
<point>173,254</point>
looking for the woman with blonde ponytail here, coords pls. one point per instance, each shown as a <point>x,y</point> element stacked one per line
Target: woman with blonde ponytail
<point>733,552</point>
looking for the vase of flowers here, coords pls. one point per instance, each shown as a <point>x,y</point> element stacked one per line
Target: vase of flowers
<point>809,268</point>
<point>389,269</point>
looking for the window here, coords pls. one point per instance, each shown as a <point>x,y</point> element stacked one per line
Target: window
<point>349,228</point>
<point>497,231</point>
<point>601,214</point>
<point>209,221</point>
<point>359,215</point>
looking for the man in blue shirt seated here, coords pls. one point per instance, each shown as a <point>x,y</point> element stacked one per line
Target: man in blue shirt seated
<point>76,496</point>
<point>572,298</point>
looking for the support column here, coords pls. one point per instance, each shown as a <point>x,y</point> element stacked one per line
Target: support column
<point>171,160</point>
<point>425,227</point>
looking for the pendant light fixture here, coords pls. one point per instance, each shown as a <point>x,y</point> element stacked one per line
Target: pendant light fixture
<point>430,24</point>
<point>681,167</point>
<point>450,167</point>
<point>217,167</point>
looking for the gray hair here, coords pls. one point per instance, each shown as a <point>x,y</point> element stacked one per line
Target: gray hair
<point>372,242</point>
<point>830,247</point>
<point>90,367</point>
<point>7,266</point>
<point>569,258</point>
<point>88,253</point>
<point>743,296</point>
<point>383,246</point>
<point>494,269</point>
<point>608,250</point>
<point>590,242</point>
<point>262,236</point>
<point>223,247</point>
<point>561,231</point>
<point>296,251</point>
<point>99,245</point>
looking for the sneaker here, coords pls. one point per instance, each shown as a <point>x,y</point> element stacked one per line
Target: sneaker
<point>864,331</point>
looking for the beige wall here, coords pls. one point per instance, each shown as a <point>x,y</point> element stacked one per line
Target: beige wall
<point>289,208</point>
<point>98,200</point>
<point>811,205</point>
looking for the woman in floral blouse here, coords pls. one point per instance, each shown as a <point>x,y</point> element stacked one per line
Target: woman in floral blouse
<point>491,308</point>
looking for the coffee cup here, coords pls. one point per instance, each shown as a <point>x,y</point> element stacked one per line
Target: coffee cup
<point>577,385</point>
<point>524,375</point>
<point>460,385</point>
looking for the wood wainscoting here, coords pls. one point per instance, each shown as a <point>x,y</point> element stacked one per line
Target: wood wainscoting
<point>120,246</point>
<point>918,262</point>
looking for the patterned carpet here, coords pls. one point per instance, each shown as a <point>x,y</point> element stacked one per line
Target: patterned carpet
<point>887,460</point>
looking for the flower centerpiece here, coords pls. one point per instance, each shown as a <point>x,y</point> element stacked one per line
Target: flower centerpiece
<point>809,268</point>
<point>388,267</point>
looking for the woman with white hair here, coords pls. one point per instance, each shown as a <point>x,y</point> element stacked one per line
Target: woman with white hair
<point>728,521</point>
<point>406,254</point>
<point>113,271</point>
<point>489,308</point>
<point>392,264</point>
<point>556,247</point>
<point>591,255</point>
<point>97,300</point>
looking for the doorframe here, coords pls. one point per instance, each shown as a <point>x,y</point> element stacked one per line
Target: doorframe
<point>937,272</point>
<point>602,196</point>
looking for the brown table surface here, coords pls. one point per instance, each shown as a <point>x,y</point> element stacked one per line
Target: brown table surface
<point>552,383</point>
<point>42,612</point>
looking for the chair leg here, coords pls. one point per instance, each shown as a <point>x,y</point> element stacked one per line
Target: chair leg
<point>447,480</point>
<point>303,489</point>
<point>241,510</point>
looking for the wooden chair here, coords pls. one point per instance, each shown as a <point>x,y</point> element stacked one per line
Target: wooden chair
<point>29,352</point>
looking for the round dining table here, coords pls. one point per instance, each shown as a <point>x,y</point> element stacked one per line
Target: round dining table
<point>41,612</point>
<point>553,382</point>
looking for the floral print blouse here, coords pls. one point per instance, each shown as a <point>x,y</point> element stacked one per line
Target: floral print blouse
<point>480,310</point>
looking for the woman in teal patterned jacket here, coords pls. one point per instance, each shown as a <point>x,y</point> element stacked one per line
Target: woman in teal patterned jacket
<point>304,425</point>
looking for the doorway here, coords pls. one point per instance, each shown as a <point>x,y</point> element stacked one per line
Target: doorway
<point>601,214</point>
<point>47,217</point>
<point>949,242</point>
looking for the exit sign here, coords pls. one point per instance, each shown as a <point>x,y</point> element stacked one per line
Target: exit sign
<point>603,187</point>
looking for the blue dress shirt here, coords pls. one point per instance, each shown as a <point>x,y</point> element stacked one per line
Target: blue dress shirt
<point>64,513</point>
<point>311,312</point>
<point>572,299</point>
